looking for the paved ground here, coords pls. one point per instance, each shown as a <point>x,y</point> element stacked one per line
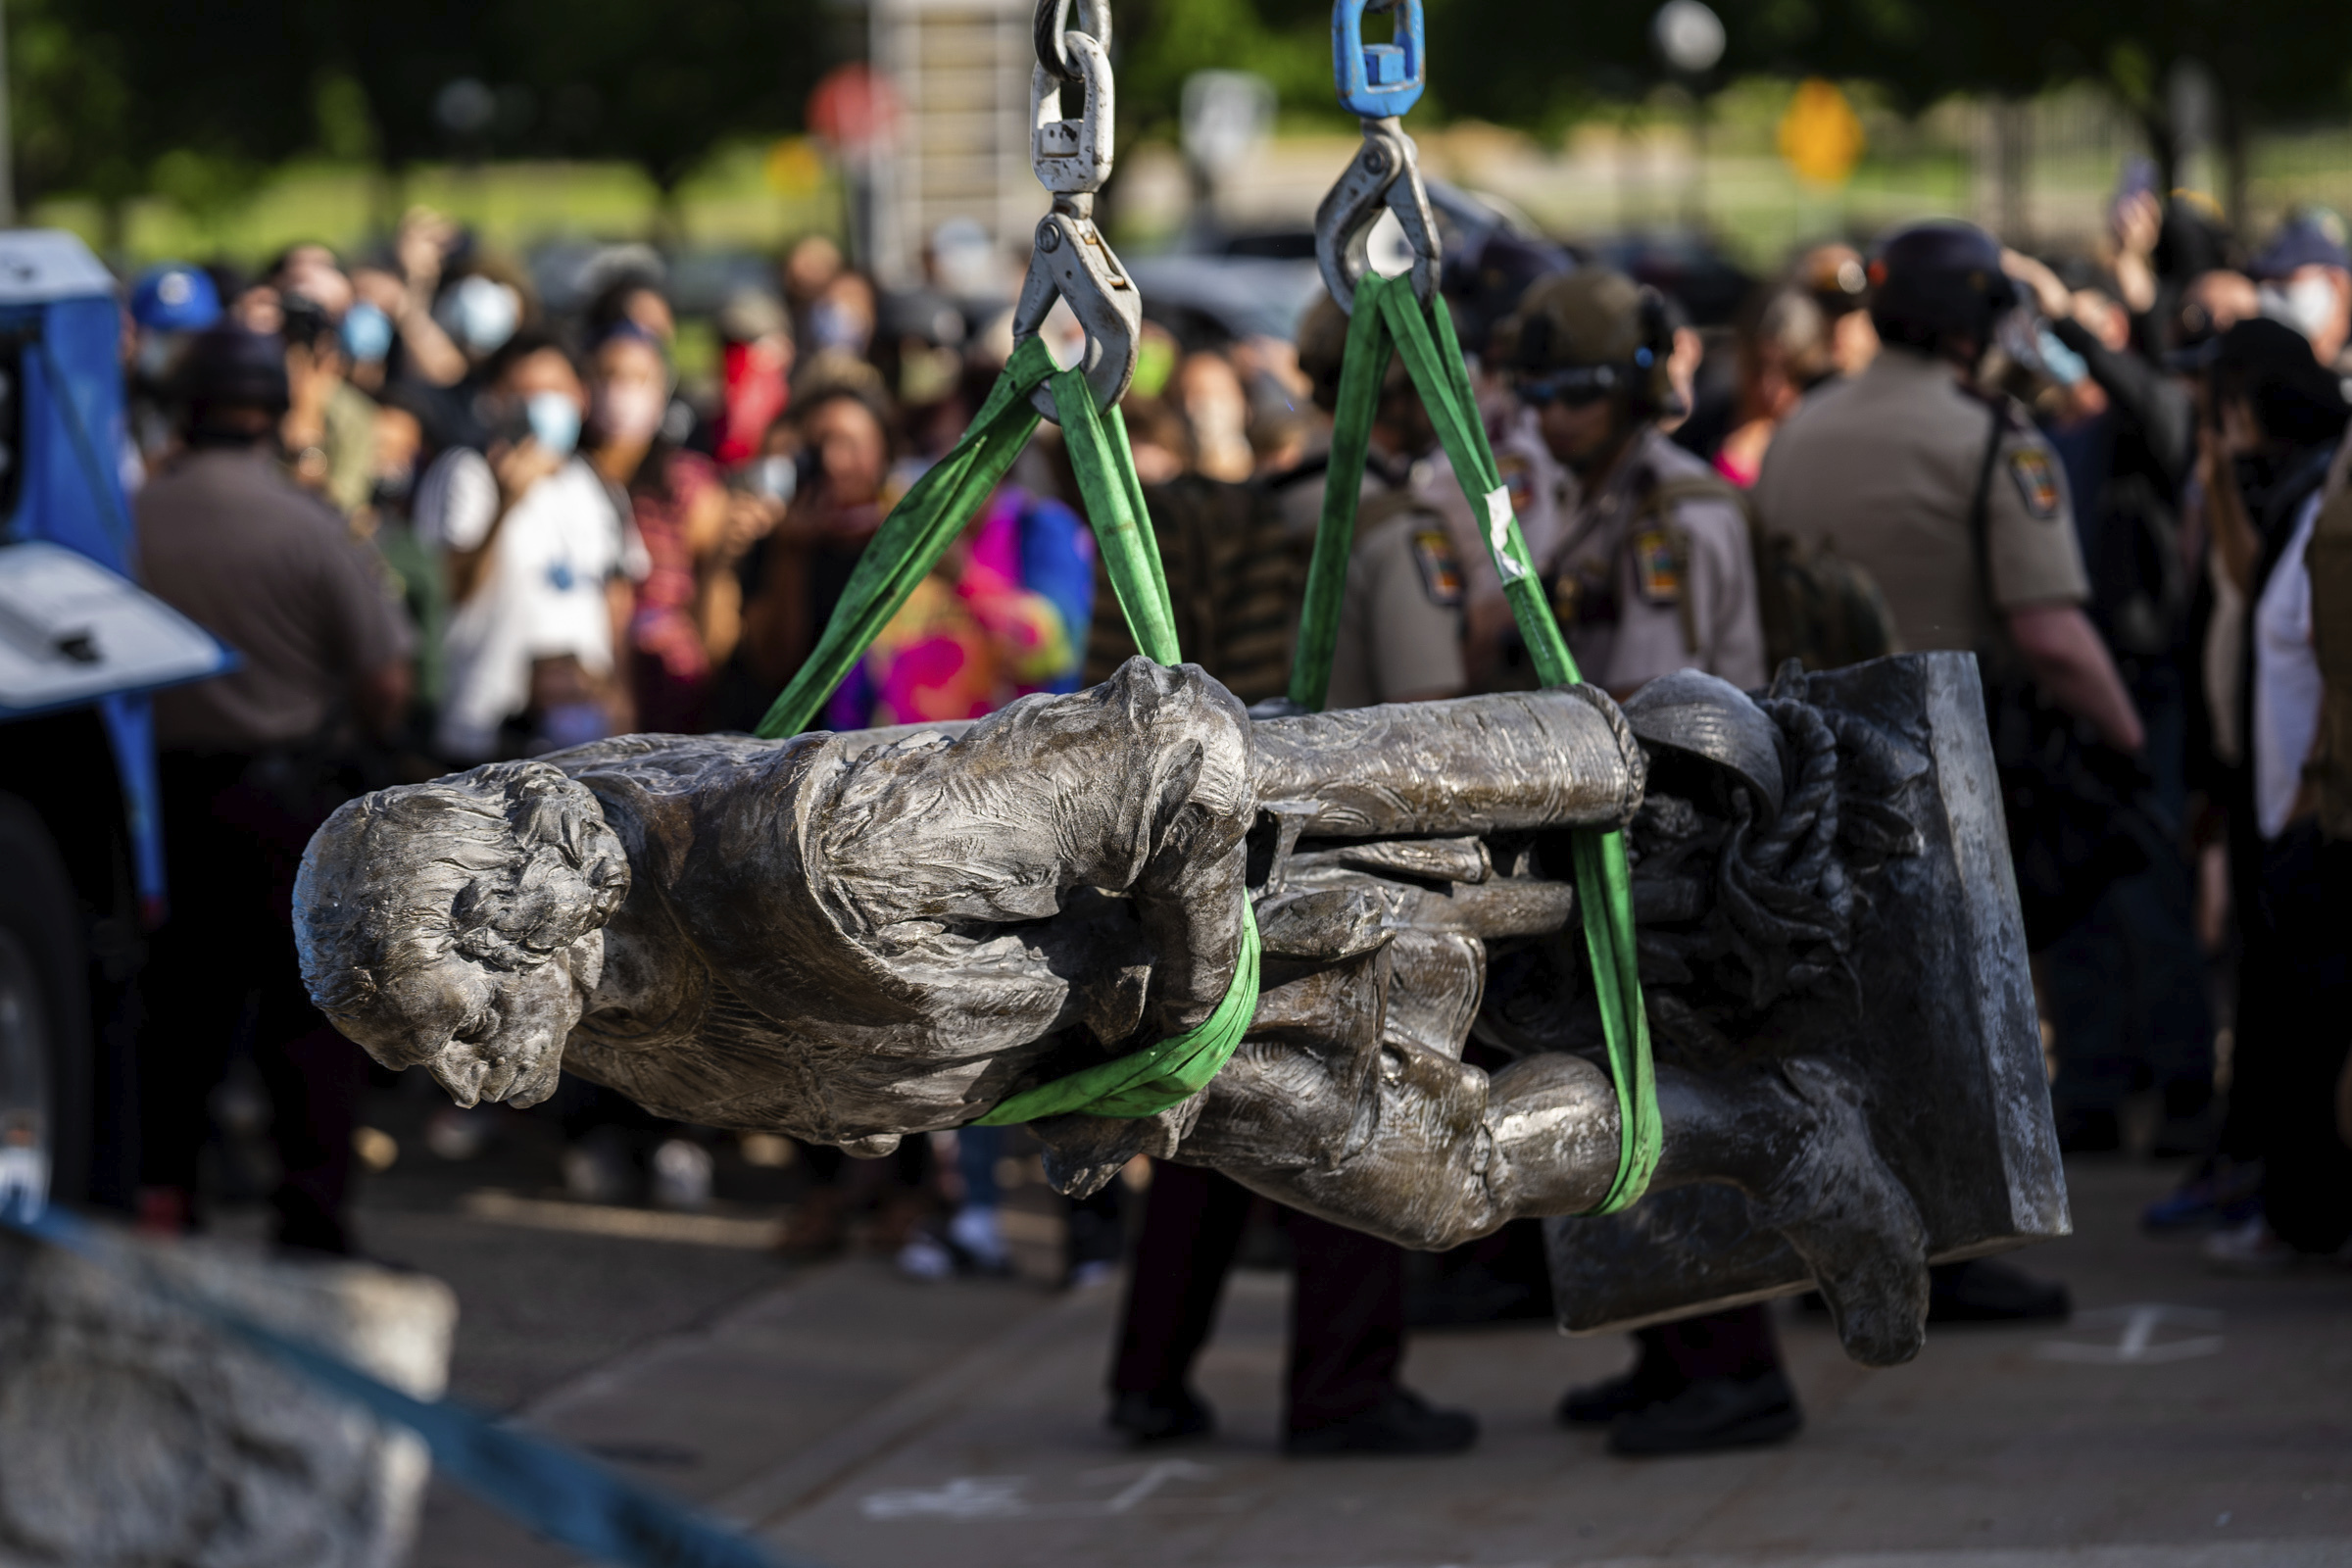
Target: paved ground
<point>2184,1421</point>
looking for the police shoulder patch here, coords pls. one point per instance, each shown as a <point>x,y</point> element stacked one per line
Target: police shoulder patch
<point>2036,480</point>
<point>1658,567</point>
<point>1441,573</point>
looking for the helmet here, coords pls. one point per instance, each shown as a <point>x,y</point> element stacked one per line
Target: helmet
<point>1588,335</point>
<point>1485,281</point>
<point>230,367</point>
<point>1323,350</point>
<point>1937,280</point>
<point>174,298</point>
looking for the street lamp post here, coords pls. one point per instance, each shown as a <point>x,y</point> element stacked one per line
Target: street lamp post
<point>1690,38</point>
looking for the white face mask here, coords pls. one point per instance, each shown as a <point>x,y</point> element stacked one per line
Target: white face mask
<point>2309,305</point>
<point>480,312</point>
<point>630,411</point>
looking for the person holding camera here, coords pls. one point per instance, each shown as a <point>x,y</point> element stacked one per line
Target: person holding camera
<point>540,565</point>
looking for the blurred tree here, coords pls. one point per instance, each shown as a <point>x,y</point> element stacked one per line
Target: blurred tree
<point>2268,62</point>
<point>658,84</point>
<point>1158,43</point>
<point>115,97</point>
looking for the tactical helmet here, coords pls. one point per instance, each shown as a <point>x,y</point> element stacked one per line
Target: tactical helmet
<point>1585,335</point>
<point>1323,350</point>
<point>1935,282</point>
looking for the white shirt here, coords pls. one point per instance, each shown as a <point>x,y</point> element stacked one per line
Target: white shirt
<point>541,596</point>
<point>2287,688</point>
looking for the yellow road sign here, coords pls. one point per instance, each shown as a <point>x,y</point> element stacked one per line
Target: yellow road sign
<point>1821,136</point>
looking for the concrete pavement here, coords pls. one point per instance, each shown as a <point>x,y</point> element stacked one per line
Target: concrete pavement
<point>2182,1421</point>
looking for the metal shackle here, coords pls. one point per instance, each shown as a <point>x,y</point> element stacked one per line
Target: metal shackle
<point>1381,79</point>
<point>1385,173</point>
<point>1051,22</point>
<point>1072,157</point>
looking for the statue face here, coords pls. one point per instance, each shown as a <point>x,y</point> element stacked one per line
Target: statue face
<point>483,1032</point>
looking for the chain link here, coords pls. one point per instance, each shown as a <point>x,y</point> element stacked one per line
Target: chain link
<point>1072,158</point>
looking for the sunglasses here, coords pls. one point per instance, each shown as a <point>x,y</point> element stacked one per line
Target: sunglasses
<point>1576,386</point>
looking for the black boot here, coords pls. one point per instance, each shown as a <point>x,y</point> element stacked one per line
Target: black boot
<point>1711,1413</point>
<point>1150,1418</point>
<point>1402,1423</point>
<point>1598,1405</point>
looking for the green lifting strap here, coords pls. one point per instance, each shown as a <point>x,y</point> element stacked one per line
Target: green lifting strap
<point>907,545</point>
<point>1388,316</point>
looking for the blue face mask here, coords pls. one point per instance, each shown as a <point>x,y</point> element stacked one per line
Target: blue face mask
<point>478,312</point>
<point>2063,362</point>
<point>366,334</point>
<point>555,421</point>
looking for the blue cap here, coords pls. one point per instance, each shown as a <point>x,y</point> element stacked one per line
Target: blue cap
<point>2312,237</point>
<point>174,298</point>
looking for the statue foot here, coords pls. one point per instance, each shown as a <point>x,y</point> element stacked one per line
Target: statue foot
<point>1852,1222</point>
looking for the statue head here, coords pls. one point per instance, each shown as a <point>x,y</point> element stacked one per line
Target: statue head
<point>459,924</point>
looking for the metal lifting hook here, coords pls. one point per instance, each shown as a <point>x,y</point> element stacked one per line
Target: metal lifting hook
<point>1072,157</point>
<point>1377,83</point>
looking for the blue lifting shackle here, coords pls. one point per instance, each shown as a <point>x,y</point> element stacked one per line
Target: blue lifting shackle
<point>1380,80</point>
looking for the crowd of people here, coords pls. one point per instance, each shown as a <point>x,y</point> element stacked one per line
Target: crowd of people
<point>442,526</point>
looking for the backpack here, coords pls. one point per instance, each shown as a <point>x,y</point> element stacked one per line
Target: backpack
<point>1817,607</point>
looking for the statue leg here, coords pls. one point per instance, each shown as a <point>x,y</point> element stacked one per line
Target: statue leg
<point>1475,764</point>
<point>1430,1153</point>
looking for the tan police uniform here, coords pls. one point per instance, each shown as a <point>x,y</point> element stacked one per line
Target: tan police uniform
<point>1401,624</point>
<point>1886,466</point>
<point>1644,584</point>
<point>1536,480</point>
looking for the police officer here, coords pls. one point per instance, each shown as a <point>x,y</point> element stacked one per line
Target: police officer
<point>1652,571</point>
<point>1894,464</point>
<point>1400,623</point>
<point>1888,465</point>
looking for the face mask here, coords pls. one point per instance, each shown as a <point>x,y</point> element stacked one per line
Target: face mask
<point>2308,304</point>
<point>555,421</point>
<point>480,313</point>
<point>631,412</point>
<point>366,334</point>
<point>833,326</point>
<point>2065,365</point>
<point>776,478</point>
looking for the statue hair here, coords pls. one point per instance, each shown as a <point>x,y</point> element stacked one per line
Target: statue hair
<point>505,865</point>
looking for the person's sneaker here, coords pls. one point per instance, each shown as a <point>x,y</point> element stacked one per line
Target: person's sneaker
<point>1713,1413</point>
<point>2250,1248</point>
<point>597,1170</point>
<point>1164,1417</point>
<point>1981,1291</point>
<point>682,1175</point>
<point>926,1258</point>
<point>456,1134</point>
<point>1598,1405</point>
<point>2217,1195</point>
<point>978,1243</point>
<point>1403,1423</point>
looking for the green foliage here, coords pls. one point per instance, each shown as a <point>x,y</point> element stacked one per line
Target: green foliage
<point>104,89</point>
<point>1161,42</point>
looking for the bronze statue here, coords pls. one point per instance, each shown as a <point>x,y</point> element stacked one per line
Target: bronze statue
<point>855,937</point>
